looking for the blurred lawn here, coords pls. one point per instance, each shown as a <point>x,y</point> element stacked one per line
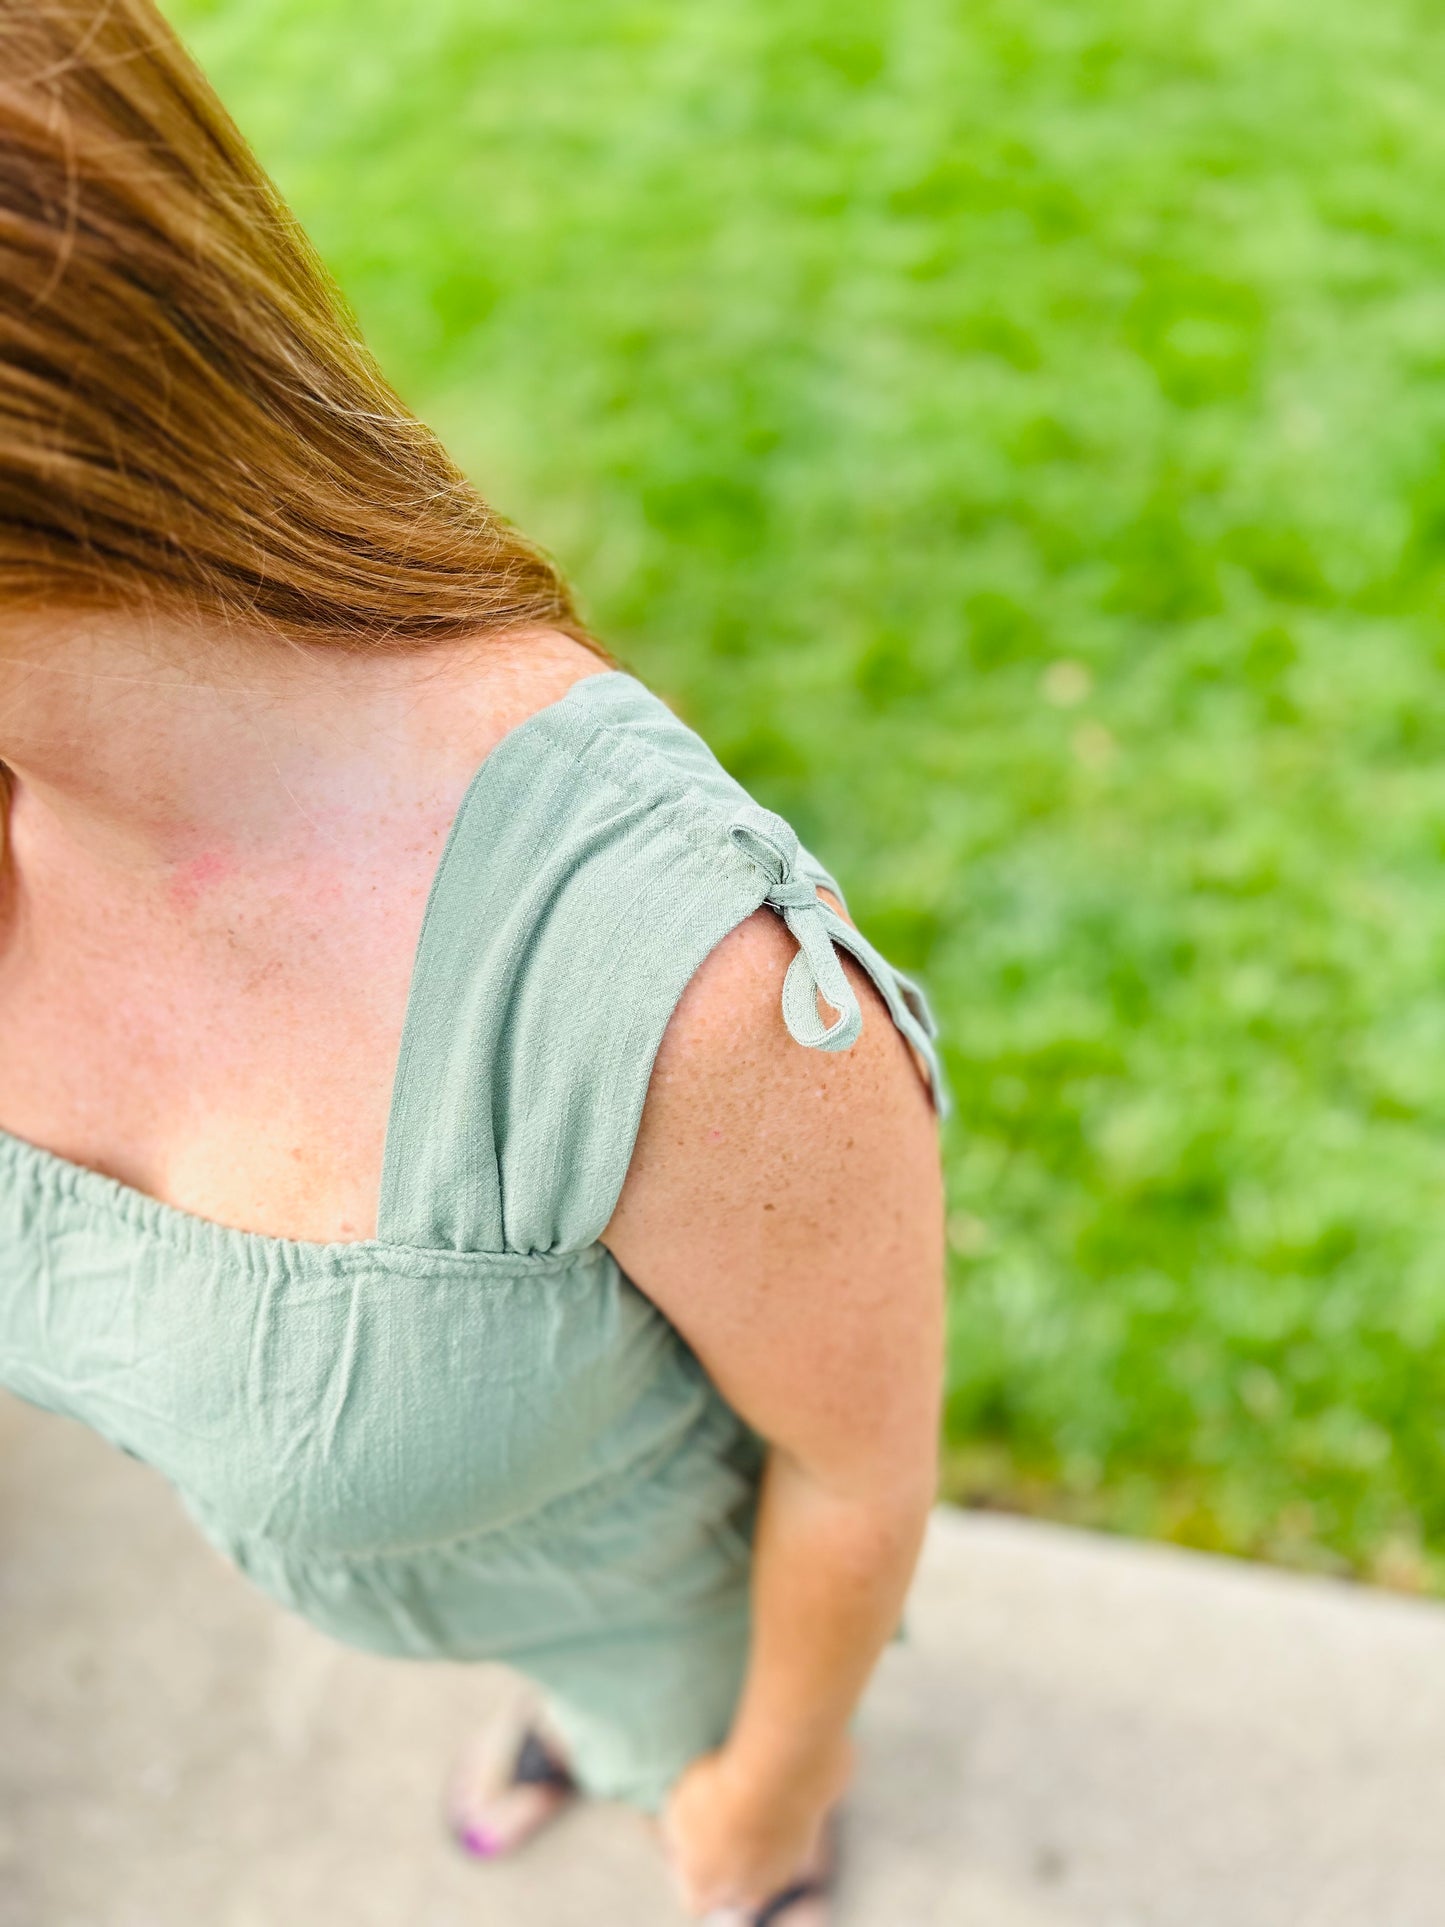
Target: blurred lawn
<point>1012,431</point>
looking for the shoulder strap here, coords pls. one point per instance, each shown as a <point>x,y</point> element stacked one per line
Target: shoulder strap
<point>600,854</point>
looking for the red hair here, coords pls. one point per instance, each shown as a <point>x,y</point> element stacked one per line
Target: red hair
<point>189,422</point>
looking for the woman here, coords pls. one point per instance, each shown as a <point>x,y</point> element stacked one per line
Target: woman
<point>449,1128</point>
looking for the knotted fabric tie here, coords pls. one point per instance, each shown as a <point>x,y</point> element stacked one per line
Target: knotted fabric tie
<point>772,844</point>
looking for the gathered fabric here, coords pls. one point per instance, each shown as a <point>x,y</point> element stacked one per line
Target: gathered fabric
<point>472,1437</point>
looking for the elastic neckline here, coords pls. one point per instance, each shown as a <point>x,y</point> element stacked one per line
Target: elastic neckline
<point>100,1192</point>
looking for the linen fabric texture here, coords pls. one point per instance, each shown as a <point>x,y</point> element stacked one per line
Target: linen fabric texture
<point>472,1438</point>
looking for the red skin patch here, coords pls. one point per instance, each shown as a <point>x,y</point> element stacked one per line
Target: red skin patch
<point>192,880</point>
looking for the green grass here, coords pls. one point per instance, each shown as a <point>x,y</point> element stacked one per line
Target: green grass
<point>1014,432</point>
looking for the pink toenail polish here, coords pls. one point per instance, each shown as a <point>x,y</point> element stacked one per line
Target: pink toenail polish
<point>476,1840</point>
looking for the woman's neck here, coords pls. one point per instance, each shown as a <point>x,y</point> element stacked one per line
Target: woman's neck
<point>141,751</point>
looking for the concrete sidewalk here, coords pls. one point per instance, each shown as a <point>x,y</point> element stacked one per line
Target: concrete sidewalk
<point>1081,1733</point>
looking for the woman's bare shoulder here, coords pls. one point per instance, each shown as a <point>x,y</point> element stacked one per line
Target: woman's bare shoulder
<point>780,1198</point>
<point>515,674</point>
<point>730,1086</point>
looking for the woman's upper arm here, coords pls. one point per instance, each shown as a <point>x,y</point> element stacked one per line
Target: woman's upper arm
<point>784,1209</point>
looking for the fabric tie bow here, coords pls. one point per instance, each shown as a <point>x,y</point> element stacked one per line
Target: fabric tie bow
<point>772,844</point>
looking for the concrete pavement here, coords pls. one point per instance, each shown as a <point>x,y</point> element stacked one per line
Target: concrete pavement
<point>1080,1733</point>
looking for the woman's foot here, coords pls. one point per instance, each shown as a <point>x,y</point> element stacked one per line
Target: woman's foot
<point>804,1902</point>
<point>488,1819</point>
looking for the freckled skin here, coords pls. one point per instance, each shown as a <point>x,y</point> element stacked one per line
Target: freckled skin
<point>843,1245</point>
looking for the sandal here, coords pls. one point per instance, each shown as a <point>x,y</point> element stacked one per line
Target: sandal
<point>820,1887</point>
<point>814,1886</point>
<point>536,1790</point>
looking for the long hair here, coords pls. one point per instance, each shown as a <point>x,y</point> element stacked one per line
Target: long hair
<point>189,422</point>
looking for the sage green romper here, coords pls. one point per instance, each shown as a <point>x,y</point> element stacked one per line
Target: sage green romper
<point>472,1437</point>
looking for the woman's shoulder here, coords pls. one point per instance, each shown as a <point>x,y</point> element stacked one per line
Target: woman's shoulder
<point>731,1099</point>
<point>616,912</point>
<point>507,679</point>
